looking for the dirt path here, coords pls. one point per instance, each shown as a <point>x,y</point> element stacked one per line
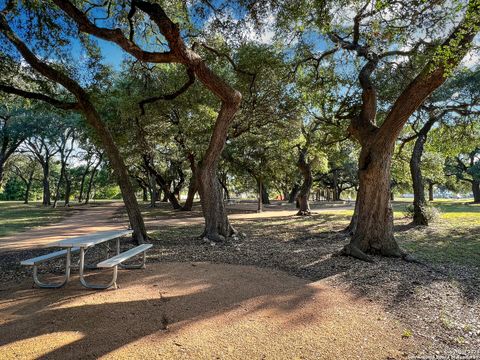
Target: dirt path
<point>111,216</point>
<point>82,221</point>
<point>196,311</point>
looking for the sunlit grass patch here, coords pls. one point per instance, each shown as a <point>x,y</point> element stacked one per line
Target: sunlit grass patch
<point>16,217</point>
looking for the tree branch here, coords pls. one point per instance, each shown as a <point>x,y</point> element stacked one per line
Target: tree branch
<point>171,96</point>
<point>37,96</point>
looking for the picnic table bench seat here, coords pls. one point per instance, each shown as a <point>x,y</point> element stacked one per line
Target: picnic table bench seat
<point>118,259</point>
<point>40,259</point>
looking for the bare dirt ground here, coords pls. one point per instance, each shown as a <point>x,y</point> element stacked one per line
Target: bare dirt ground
<point>196,311</point>
<point>282,296</point>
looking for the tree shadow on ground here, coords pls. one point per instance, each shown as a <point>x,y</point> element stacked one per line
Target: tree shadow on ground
<point>171,300</point>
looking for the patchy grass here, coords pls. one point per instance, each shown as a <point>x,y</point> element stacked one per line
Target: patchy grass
<point>16,217</point>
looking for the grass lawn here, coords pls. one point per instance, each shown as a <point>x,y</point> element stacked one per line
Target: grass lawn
<point>16,217</point>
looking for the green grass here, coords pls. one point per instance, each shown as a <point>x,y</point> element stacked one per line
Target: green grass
<point>16,217</point>
<point>453,238</point>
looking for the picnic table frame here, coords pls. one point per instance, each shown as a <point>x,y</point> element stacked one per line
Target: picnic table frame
<point>83,243</point>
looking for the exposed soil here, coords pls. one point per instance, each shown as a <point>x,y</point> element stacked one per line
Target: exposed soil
<point>196,311</point>
<point>430,310</point>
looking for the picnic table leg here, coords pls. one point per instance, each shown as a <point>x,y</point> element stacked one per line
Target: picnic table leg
<point>95,286</point>
<point>53,285</point>
<point>136,266</point>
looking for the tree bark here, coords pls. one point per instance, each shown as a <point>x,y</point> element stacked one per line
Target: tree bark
<point>259,195</point>
<point>476,191</point>
<point>373,228</point>
<point>192,190</point>
<point>217,225</point>
<point>430,191</point>
<point>153,191</point>
<point>293,193</point>
<point>46,184</point>
<point>265,198</point>
<point>226,193</point>
<point>419,202</point>
<point>304,193</point>
<point>68,190</point>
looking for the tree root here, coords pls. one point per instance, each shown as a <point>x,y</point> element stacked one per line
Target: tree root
<point>303,213</point>
<point>353,251</point>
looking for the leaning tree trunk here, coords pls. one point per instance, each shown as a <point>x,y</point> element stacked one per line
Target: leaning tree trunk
<point>46,184</point>
<point>419,202</point>
<point>304,193</point>
<point>476,191</point>
<point>192,190</point>
<point>373,228</point>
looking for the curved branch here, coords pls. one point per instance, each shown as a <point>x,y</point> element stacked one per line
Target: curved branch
<point>37,96</point>
<point>171,96</point>
<point>114,35</point>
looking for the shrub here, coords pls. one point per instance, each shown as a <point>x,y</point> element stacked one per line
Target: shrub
<point>431,212</point>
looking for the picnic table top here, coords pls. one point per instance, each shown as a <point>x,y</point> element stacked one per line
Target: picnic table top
<point>86,241</point>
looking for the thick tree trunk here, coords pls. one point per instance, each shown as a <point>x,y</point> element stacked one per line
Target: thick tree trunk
<point>430,191</point>
<point>373,228</point>
<point>265,198</point>
<point>304,193</point>
<point>476,191</point>
<point>419,202</point>
<point>292,197</point>
<point>352,227</point>
<point>46,184</point>
<point>192,190</point>
<point>217,225</point>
